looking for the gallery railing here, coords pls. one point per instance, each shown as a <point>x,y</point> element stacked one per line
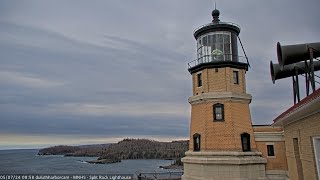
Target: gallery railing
<point>216,58</point>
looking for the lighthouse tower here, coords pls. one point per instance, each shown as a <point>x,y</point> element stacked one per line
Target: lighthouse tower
<point>222,144</point>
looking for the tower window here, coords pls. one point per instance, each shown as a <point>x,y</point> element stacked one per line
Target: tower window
<point>218,112</point>
<point>196,142</point>
<point>199,78</point>
<point>235,77</point>
<point>270,149</point>
<point>245,141</point>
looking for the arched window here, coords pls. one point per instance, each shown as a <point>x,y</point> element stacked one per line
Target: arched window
<point>218,112</point>
<point>245,141</point>
<point>196,142</point>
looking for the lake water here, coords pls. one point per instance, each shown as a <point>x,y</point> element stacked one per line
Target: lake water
<point>27,162</point>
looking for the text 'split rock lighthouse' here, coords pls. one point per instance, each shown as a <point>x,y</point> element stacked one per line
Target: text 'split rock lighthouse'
<point>222,144</point>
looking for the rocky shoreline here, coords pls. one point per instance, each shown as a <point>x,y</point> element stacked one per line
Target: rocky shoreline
<point>172,166</point>
<point>104,161</point>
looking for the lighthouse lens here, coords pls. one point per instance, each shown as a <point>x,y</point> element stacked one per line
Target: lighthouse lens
<point>215,46</point>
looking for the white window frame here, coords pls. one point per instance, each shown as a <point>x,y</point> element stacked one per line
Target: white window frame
<point>316,152</point>
<point>274,149</point>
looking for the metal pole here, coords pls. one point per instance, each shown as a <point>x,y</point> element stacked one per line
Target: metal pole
<point>294,90</point>
<point>307,73</point>
<point>297,85</point>
<point>312,70</point>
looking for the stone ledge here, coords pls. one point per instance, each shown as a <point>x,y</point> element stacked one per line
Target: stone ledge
<point>187,177</point>
<point>227,165</point>
<point>269,136</point>
<point>222,153</point>
<point>225,160</point>
<point>277,175</point>
<point>225,157</point>
<point>211,96</point>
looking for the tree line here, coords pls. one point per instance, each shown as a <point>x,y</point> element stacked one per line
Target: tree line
<point>145,149</point>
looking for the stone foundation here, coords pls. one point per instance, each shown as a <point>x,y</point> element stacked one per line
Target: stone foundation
<point>277,175</point>
<point>224,165</point>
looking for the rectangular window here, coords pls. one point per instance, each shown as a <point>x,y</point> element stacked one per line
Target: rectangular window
<point>199,78</point>
<point>205,40</point>
<point>219,38</point>
<point>270,149</point>
<point>235,77</point>
<point>245,140</point>
<point>218,113</point>
<point>218,110</point>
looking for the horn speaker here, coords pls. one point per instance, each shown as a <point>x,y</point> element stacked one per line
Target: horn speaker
<point>295,53</point>
<point>290,70</point>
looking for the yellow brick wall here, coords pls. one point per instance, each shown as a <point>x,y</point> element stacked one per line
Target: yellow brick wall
<point>220,135</point>
<point>279,161</point>
<point>223,135</point>
<point>221,81</point>
<point>304,130</point>
<point>198,117</point>
<point>241,118</point>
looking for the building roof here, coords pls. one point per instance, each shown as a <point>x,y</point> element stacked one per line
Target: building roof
<point>313,99</point>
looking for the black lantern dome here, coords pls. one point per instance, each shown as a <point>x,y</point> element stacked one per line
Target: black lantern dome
<point>217,45</point>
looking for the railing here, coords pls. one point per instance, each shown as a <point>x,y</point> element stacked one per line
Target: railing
<point>214,23</point>
<point>160,175</point>
<point>216,58</point>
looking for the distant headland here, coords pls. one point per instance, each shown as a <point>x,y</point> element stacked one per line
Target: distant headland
<point>125,149</point>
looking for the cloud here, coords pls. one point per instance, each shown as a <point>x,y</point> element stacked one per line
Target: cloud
<point>118,125</point>
<point>121,109</point>
<point>27,80</point>
<point>12,141</point>
<point>130,109</point>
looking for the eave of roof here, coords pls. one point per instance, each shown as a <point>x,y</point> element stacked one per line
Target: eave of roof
<point>307,101</point>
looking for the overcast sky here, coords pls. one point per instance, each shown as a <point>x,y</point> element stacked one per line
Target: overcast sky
<point>82,72</point>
